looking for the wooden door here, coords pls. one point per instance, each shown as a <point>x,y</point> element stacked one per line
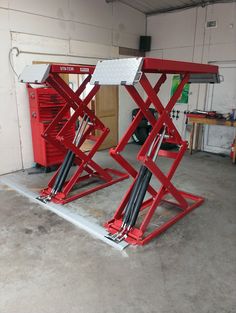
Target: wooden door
<point>105,107</point>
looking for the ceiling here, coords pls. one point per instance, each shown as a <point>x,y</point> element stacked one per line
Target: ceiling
<point>150,7</point>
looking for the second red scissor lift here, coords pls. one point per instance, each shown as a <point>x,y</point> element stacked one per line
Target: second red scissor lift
<point>134,219</point>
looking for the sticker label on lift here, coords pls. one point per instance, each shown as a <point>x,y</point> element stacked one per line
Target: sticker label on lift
<point>67,68</point>
<point>84,69</point>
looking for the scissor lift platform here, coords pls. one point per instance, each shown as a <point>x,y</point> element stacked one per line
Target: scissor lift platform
<point>128,72</point>
<point>49,74</point>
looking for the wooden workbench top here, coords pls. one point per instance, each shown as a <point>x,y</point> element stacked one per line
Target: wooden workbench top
<point>211,121</point>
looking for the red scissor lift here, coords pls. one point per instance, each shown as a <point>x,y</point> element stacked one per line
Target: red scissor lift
<point>186,202</point>
<point>50,75</point>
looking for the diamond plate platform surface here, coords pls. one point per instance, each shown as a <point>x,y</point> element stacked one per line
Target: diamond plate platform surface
<point>117,72</point>
<point>36,73</point>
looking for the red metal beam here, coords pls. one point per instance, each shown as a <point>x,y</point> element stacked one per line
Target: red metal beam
<point>151,65</point>
<point>61,68</point>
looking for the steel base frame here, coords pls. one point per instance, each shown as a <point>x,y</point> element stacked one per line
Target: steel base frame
<point>184,201</point>
<point>83,161</point>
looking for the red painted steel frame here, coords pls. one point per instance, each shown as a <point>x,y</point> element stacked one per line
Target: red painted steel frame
<point>184,201</point>
<point>83,160</point>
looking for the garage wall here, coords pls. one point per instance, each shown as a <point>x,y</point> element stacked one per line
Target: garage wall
<point>183,36</point>
<point>79,31</point>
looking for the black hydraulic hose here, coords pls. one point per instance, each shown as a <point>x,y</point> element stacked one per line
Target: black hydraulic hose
<point>71,155</point>
<point>69,163</point>
<point>133,195</point>
<point>144,186</point>
<point>140,198</point>
<point>135,191</point>
<point>60,173</point>
<point>56,185</point>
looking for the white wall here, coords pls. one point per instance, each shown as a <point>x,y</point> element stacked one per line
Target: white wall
<point>183,36</point>
<point>79,31</point>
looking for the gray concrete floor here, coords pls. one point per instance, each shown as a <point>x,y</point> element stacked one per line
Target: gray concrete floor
<point>48,265</point>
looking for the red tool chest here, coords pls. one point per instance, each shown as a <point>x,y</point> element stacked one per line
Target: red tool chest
<point>45,103</point>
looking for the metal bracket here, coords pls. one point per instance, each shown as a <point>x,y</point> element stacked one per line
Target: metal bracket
<point>204,78</point>
<point>117,72</point>
<point>36,73</point>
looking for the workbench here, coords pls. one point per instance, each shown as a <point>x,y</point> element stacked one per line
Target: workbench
<point>198,121</point>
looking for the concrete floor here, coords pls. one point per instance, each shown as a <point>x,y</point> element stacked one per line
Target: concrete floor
<point>47,265</point>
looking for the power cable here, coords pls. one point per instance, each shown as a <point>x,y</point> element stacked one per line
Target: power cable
<point>10,59</point>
